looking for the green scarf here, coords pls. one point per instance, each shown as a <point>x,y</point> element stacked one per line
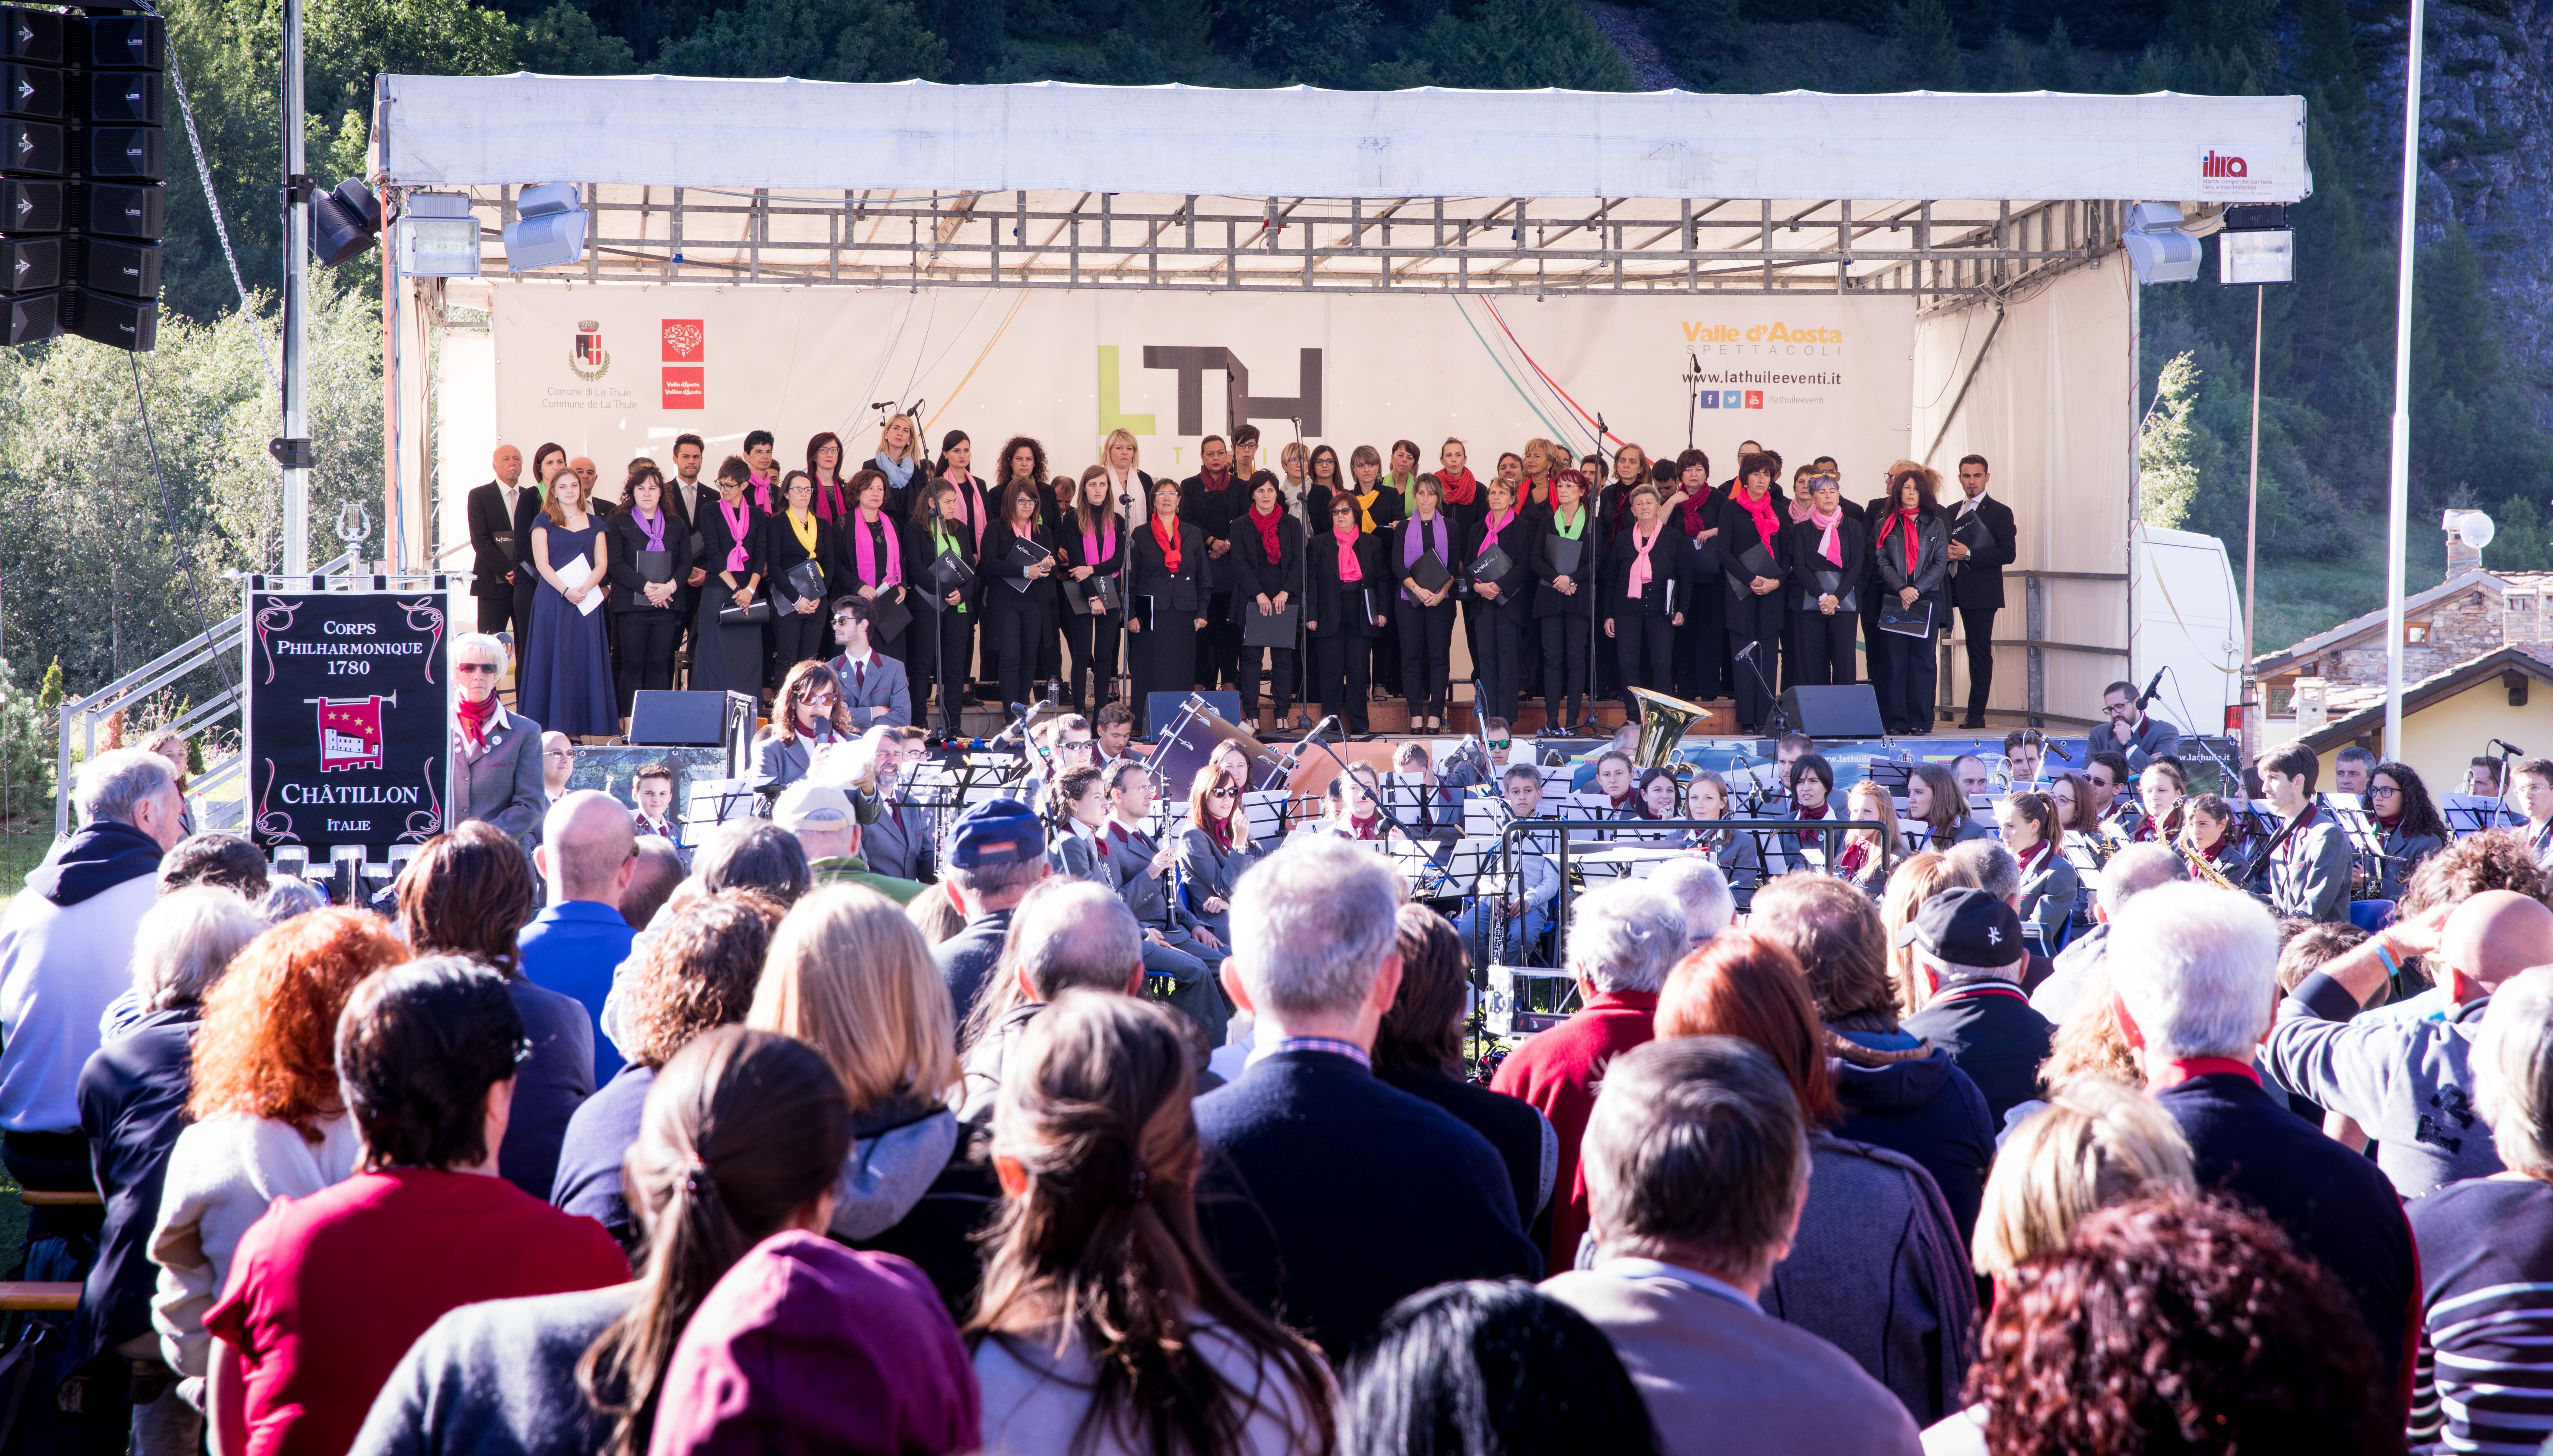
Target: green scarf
<point>1407,486</point>
<point>944,544</point>
<point>1574,530</point>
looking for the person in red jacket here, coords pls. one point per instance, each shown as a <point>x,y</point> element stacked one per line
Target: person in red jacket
<point>327,1292</point>
<point>1624,939</point>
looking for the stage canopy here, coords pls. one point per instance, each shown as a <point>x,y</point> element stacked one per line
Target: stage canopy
<point>1053,185</point>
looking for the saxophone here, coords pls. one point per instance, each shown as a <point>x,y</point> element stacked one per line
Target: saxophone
<point>2201,867</point>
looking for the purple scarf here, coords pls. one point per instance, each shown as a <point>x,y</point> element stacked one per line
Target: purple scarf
<point>654,526</point>
<point>1411,545</point>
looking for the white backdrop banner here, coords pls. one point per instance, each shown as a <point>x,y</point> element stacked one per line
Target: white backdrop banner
<point>615,371</point>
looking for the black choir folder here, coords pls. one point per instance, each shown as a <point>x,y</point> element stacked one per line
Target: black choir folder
<point>1268,628</point>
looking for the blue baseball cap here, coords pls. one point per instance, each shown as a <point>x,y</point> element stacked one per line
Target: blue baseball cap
<point>997,831</point>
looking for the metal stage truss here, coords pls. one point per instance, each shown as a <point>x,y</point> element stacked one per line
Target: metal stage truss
<point>1943,252</point>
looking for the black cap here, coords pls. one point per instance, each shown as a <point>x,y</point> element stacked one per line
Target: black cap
<point>1966,927</point>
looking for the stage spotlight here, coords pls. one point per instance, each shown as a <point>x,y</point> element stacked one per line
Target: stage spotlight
<point>2256,246</point>
<point>438,236</point>
<point>2159,251</point>
<point>549,230</point>
<point>343,221</point>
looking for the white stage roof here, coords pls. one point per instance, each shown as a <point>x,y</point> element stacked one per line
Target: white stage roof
<point>1299,142</point>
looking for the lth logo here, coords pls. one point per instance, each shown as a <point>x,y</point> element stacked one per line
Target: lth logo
<point>1191,364</point>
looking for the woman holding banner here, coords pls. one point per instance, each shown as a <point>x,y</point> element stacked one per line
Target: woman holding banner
<point>567,668</point>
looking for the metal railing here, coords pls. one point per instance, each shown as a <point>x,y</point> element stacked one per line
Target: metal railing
<point>80,717</point>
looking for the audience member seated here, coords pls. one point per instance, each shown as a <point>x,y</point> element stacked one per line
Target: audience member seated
<point>1917,879</point>
<point>1698,1169</point>
<point>2184,1326</point>
<point>1489,1368</point>
<point>742,854</point>
<point>698,973</point>
<point>1897,1091</point>
<point>470,893</point>
<point>1998,874</point>
<point>1876,1267</point>
<point>995,855</point>
<point>132,1106</point>
<point>2409,1084</point>
<point>2127,875</point>
<point>1701,890</point>
<point>65,954</point>
<point>1967,972</point>
<point>219,858</point>
<point>849,976</point>
<point>658,869</point>
<point>329,1290</point>
<point>738,1142</point>
<point>2099,1143</point>
<point>828,830</point>
<point>1311,1145</point>
<point>588,854</point>
<point>2196,973</point>
<point>2487,1246</point>
<point>1105,1326</point>
<point>1418,1049</point>
<point>1624,939</point>
<point>1067,935</point>
<point>269,1119</point>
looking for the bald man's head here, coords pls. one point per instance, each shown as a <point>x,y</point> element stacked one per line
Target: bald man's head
<point>2496,934</point>
<point>508,462</point>
<point>1071,933</point>
<point>586,841</point>
<point>2134,871</point>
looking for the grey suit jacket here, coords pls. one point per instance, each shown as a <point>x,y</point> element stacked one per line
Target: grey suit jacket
<point>2309,875</point>
<point>779,763</point>
<point>896,844</point>
<point>2153,740</point>
<point>882,684</point>
<point>503,785</point>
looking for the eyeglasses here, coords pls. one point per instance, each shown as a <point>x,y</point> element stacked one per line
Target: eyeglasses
<point>2382,791</point>
<point>558,753</point>
<point>1224,794</point>
<point>488,668</point>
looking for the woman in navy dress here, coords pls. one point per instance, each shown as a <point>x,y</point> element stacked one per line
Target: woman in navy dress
<point>567,670</point>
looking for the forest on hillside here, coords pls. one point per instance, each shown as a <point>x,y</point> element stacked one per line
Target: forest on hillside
<point>108,597</point>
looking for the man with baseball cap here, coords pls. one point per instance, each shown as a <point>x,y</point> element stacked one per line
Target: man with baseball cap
<point>1968,961</point>
<point>828,830</point>
<point>996,855</point>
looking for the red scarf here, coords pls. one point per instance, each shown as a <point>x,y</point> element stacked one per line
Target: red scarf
<point>1169,541</point>
<point>1693,525</point>
<point>2390,822</point>
<point>474,721</point>
<point>1268,525</point>
<point>1854,856</point>
<point>2034,854</point>
<point>1457,489</point>
<point>1809,836</point>
<point>1768,526</point>
<point>1550,500</point>
<point>1904,516</point>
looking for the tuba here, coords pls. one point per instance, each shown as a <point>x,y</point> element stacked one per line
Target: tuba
<point>1664,720</point>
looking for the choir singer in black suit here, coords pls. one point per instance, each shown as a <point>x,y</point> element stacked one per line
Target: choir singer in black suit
<point>1648,588</point>
<point>1020,596</point>
<point>1346,612</point>
<point>1821,559</point>
<point>1912,548</point>
<point>1504,598</point>
<point>1267,573</point>
<point>1166,602</point>
<point>1976,576</point>
<point>1750,537</point>
<point>493,516</point>
<point>650,556</point>
<point>1566,605</point>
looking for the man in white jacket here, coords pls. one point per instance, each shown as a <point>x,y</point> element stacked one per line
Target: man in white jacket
<point>66,952</point>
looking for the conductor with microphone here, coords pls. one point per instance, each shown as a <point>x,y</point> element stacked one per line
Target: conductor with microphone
<point>2133,733</point>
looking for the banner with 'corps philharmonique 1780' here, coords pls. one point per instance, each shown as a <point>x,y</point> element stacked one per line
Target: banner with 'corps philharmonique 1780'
<point>613,371</point>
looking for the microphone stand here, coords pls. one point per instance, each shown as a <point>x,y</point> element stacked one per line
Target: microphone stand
<point>1125,584</point>
<point>948,718</point>
<point>1692,395</point>
<point>1781,719</point>
<point>1599,548</point>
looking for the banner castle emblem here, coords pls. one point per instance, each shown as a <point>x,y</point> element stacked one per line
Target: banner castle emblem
<point>350,731</point>
<point>586,357</point>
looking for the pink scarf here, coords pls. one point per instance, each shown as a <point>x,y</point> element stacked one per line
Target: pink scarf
<point>1349,571</point>
<point>1768,526</point>
<point>868,552</point>
<point>830,502</point>
<point>761,492</point>
<point>1098,549</point>
<point>1640,576</point>
<point>1800,507</point>
<point>1498,524</point>
<point>965,510</point>
<point>739,518</point>
<point>1828,546</point>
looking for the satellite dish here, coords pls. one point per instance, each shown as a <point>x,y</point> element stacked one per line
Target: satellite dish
<point>2472,526</point>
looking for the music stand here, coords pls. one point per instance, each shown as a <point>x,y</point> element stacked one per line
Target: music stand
<point>2468,814</point>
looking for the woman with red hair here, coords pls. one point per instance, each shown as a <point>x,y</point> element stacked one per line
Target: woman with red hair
<point>1877,1268</point>
<point>269,1119</point>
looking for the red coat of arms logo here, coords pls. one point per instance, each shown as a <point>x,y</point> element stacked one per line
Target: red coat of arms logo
<point>349,732</point>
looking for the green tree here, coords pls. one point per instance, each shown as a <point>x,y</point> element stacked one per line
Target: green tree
<point>564,41</point>
<point>1923,51</point>
<point>1703,39</point>
<point>973,31</point>
<point>1160,41</point>
<point>2167,453</point>
<point>818,39</point>
<point>1518,44</point>
<point>2012,71</point>
<point>2057,62</point>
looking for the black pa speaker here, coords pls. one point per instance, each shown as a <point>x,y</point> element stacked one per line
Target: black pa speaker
<point>678,720</point>
<point>30,318</point>
<point>126,323</point>
<point>1835,712</point>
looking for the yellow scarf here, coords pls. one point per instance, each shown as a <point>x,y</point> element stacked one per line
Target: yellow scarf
<point>805,527</point>
<point>1364,505</point>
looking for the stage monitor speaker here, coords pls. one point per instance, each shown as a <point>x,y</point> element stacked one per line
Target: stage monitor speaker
<point>1835,712</point>
<point>1161,710</point>
<point>683,719</point>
